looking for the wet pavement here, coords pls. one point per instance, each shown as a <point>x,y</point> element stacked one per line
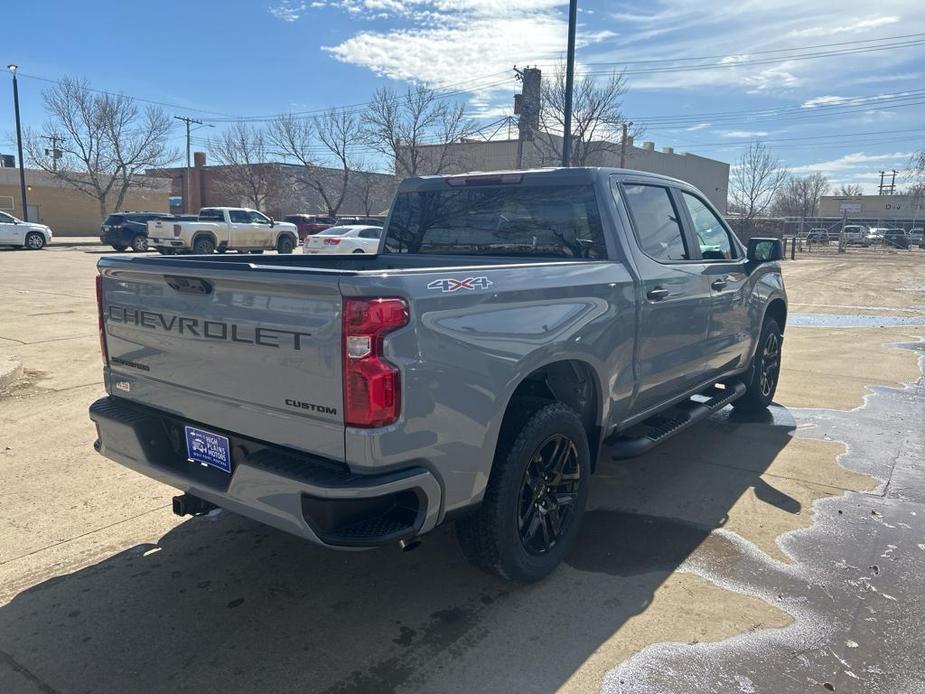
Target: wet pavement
<point>855,320</point>
<point>854,589</point>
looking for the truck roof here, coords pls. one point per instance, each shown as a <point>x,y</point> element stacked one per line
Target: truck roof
<point>553,174</point>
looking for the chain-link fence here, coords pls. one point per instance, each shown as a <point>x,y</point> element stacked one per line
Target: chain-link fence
<point>836,235</point>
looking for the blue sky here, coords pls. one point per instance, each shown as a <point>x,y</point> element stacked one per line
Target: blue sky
<point>703,77</point>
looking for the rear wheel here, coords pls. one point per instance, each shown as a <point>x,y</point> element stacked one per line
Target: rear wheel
<point>284,245</point>
<point>203,246</point>
<point>35,241</point>
<point>765,370</point>
<point>531,514</point>
<point>140,243</point>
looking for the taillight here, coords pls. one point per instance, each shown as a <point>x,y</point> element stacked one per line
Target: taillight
<point>102,325</point>
<point>372,386</point>
<point>331,242</point>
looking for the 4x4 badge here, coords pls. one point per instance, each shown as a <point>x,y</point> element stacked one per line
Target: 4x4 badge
<point>451,284</point>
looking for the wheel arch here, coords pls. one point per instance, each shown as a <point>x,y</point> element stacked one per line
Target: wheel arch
<point>199,234</point>
<point>574,382</point>
<point>776,309</point>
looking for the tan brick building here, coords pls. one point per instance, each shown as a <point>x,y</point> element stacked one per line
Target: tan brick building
<point>65,209</point>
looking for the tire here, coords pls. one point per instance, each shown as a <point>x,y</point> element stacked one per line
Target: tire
<point>203,246</point>
<point>518,497</point>
<point>118,247</point>
<point>765,370</point>
<point>140,243</point>
<point>284,245</point>
<point>257,252</point>
<point>359,250</point>
<point>35,241</point>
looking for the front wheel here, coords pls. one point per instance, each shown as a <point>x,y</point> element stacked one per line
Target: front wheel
<point>35,241</point>
<point>531,514</point>
<point>284,245</point>
<point>765,370</point>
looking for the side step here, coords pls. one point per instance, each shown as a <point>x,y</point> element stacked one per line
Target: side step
<point>646,435</point>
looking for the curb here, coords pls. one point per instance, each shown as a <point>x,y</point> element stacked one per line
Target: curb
<point>10,372</point>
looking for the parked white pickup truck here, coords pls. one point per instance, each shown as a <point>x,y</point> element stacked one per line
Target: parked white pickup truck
<point>221,229</point>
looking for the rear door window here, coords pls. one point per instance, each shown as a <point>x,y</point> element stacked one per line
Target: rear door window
<point>711,234</point>
<point>210,215</point>
<point>657,223</point>
<point>547,221</point>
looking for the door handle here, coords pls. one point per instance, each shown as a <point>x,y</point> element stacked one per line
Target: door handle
<point>657,294</point>
<point>719,284</point>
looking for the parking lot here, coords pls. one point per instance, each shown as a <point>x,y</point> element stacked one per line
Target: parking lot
<point>783,553</point>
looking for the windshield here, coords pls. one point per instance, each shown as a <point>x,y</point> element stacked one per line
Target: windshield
<point>510,220</point>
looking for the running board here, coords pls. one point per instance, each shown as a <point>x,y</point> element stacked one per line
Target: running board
<point>646,435</point>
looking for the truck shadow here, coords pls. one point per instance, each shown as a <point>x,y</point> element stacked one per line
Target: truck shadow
<point>225,604</point>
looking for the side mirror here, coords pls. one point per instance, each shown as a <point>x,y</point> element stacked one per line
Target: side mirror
<point>764,250</point>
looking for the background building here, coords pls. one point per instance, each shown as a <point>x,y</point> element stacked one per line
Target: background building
<point>215,185</point>
<point>709,175</point>
<point>64,208</point>
<point>885,207</point>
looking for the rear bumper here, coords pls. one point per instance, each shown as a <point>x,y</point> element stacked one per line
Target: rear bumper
<point>315,498</point>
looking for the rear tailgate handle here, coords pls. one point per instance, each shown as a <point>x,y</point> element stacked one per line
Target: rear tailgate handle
<point>188,285</point>
<point>657,294</point>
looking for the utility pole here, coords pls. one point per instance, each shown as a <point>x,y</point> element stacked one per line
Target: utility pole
<point>569,81</point>
<point>527,108</point>
<point>626,128</point>
<point>893,183</point>
<point>22,164</point>
<point>186,180</point>
<point>880,189</point>
<point>55,151</point>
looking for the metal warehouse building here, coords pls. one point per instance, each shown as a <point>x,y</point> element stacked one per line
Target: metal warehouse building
<point>883,207</point>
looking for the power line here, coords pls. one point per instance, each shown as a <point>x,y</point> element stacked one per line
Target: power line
<point>764,52</point>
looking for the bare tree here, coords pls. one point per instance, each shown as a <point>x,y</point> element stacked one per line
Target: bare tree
<point>754,182</point>
<point>416,129</point>
<point>799,197</point>
<point>247,175</point>
<point>321,147</point>
<point>597,118</point>
<point>850,190</point>
<point>101,144</point>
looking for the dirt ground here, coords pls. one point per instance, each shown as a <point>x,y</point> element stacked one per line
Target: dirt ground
<point>710,542</point>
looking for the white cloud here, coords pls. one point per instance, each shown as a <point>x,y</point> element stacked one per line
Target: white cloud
<point>849,162</point>
<point>855,25</point>
<point>699,126</point>
<point>744,133</point>
<point>455,41</point>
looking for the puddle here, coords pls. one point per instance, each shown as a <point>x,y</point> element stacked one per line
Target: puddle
<point>838,320</point>
<point>852,589</point>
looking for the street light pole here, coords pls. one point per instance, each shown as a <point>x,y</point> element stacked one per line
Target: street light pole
<point>569,81</point>
<point>22,164</point>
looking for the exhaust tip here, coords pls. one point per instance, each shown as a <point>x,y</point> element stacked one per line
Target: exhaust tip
<point>410,544</point>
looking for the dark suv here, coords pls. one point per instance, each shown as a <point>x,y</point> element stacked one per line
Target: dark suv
<point>122,230</point>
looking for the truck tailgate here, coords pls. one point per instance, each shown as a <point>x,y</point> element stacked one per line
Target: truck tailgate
<point>251,352</point>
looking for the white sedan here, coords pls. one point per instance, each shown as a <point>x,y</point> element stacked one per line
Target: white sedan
<point>16,232</point>
<point>352,238</point>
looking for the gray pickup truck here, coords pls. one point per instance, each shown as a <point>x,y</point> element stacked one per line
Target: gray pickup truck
<point>511,327</point>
